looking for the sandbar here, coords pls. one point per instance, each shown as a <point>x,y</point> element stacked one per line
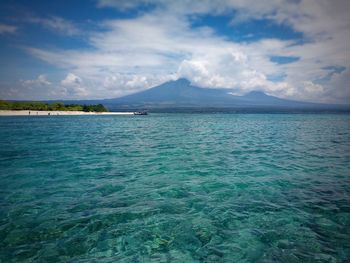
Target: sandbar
<point>56,113</point>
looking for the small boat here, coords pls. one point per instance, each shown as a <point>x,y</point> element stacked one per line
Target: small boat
<point>140,113</point>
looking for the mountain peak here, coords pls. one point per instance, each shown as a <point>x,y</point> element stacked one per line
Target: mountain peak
<point>182,81</point>
<point>256,94</point>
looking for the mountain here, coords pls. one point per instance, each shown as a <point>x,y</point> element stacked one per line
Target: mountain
<point>260,98</point>
<point>181,94</point>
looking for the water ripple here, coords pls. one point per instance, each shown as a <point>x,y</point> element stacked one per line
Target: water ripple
<point>175,188</point>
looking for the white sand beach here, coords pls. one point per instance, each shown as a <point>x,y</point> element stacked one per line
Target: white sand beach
<point>56,113</point>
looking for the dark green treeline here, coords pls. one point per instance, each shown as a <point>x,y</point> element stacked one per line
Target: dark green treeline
<point>41,106</point>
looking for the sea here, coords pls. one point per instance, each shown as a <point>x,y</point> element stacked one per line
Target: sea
<point>175,187</point>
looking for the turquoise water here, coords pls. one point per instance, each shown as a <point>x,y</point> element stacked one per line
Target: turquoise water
<point>175,188</point>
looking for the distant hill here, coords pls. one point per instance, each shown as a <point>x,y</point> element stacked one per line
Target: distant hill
<point>180,94</point>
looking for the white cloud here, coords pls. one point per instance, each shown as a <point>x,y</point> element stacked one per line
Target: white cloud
<point>340,80</point>
<point>7,29</point>
<point>40,81</point>
<point>71,80</point>
<point>73,86</point>
<point>56,24</point>
<point>31,89</point>
<point>119,4</point>
<point>136,53</point>
<point>122,84</point>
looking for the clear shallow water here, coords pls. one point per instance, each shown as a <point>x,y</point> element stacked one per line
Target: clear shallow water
<point>175,188</point>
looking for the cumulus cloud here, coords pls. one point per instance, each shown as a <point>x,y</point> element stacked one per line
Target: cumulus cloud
<point>135,53</point>
<point>73,86</point>
<point>40,81</point>
<point>31,89</point>
<point>71,80</point>
<point>7,29</point>
<point>122,84</point>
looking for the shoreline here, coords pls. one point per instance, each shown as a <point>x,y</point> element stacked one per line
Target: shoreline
<point>56,113</point>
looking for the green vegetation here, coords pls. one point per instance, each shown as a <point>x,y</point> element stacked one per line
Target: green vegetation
<point>41,106</point>
<point>95,108</point>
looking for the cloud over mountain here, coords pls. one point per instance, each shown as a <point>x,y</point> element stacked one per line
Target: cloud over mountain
<point>207,43</point>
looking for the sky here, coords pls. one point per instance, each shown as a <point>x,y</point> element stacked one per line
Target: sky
<point>95,49</point>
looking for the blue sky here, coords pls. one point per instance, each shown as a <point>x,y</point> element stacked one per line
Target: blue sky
<point>110,48</point>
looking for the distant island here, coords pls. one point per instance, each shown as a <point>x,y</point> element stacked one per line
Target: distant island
<point>41,106</point>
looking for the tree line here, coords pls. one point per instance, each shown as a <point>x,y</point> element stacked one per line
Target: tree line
<point>42,106</point>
